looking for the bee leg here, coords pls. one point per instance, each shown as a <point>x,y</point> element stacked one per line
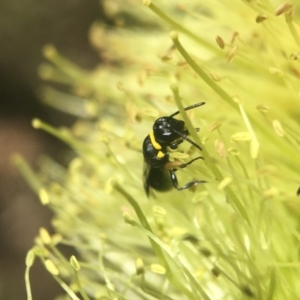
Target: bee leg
<point>183,136</point>
<point>187,185</point>
<point>189,162</point>
<point>175,144</point>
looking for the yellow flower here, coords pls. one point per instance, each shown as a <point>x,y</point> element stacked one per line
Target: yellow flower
<point>235,236</point>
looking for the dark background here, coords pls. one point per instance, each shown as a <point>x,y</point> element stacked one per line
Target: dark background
<point>26,26</point>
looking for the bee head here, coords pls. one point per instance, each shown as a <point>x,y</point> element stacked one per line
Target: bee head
<point>167,129</point>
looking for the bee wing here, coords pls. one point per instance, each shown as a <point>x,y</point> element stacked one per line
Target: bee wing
<point>146,171</point>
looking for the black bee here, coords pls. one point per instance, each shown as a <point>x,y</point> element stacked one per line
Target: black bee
<point>159,171</point>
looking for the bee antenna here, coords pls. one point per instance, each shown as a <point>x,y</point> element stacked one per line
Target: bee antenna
<point>187,139</point>
<point>187,108</point>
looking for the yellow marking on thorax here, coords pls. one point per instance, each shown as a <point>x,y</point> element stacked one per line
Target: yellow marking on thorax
<point>160,154</point>
<point>155,144</point>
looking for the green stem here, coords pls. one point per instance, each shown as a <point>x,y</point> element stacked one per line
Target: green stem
<point>27,284</point>
<point>292,28</point>
<point>179,27</point>
<point>27,173</point>
<point>218,175</point>
<point>81,290</point>
<point>155,246</point>
<point>201,72</point>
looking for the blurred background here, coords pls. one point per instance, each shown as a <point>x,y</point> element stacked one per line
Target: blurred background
<point>26,26</point>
